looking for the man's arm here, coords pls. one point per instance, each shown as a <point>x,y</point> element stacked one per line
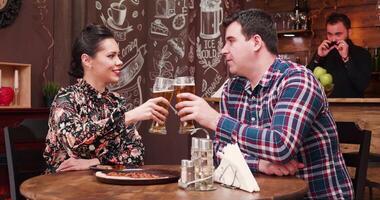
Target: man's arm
<point>315,61</point>
<point>296,109</point>
<point>358,68</point>
<point>301,98</point>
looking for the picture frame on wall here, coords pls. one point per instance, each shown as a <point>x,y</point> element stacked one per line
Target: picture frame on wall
<point>9,10</point>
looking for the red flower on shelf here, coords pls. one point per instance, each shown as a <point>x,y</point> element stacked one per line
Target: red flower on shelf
<point>6,96</point>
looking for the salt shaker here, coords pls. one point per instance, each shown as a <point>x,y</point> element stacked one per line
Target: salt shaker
<point>187,175</point>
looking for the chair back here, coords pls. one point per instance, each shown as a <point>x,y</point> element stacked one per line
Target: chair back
<point>350,133</point>
<point>24,146</point>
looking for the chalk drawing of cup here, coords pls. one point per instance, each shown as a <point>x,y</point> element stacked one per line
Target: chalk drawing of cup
<point>117,12</point>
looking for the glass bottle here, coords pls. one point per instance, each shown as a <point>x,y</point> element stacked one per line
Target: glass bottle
<point>296,10</point>
<point>377,60</point>
<point>374,59</point>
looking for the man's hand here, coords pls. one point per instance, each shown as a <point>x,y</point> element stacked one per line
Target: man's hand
<point>148,110</point>
<point>270,168</point>
<point>342,48</point>
<point>324,48</point>
<point>77,164</point>
<point>196,108</point>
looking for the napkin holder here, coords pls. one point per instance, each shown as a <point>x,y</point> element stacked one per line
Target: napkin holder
<point>234,172</point>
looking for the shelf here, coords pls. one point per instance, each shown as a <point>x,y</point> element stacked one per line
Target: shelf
<point>24,83</point>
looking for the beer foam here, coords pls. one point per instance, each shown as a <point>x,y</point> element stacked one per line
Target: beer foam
<point>158,91</point>
<point>184,84</point>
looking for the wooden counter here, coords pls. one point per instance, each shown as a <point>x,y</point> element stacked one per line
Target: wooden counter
<point>364,111</point>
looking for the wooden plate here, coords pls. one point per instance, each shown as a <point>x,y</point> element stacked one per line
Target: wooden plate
<point>161,177</point>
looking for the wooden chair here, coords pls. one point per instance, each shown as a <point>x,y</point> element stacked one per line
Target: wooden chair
<point>24,146</point>
<point>373,161</point>
<point>350,133</point>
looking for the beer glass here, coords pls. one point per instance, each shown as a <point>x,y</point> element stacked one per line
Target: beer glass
<point>163,87</point>
<point>181,85</point>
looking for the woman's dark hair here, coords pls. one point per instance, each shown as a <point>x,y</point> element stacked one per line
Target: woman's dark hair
<point>88,43</point>
<point>334,18</point>
<point>256,21</point>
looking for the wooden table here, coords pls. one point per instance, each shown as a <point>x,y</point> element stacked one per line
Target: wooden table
<point>83,185</point>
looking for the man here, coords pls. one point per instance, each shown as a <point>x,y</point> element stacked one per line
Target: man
<point>350,65</point>
<point>274,109</point>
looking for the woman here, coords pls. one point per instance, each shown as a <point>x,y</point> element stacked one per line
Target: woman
<point>88,124</point>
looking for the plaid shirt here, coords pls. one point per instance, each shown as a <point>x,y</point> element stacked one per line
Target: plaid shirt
<point>285,117</point>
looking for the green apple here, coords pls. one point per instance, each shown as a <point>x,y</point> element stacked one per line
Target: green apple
<point>326,79</point>
<point>319,71</point>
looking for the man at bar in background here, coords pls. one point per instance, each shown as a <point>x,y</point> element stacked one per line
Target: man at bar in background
<point>275,110</point>
<point>350,65</point>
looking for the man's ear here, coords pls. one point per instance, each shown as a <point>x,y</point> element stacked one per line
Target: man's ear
<point>257,42</point>
<point>349,33</point>
<point>86,61</point>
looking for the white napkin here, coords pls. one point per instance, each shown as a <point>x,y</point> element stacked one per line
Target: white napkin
<point>233,163</point>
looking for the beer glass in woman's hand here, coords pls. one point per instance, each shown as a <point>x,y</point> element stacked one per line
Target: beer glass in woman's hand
<point>181,85</point>
<point>163,87</point>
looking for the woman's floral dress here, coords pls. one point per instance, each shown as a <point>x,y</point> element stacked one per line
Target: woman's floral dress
<point>87,124</point>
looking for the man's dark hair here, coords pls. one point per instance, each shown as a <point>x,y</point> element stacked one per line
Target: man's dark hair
<point>256,21</point>
<point>334,18</point>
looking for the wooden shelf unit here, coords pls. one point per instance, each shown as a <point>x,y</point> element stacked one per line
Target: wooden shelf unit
<point>7,80</point>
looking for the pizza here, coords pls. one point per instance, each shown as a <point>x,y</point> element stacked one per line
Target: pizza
<point>135,175</point>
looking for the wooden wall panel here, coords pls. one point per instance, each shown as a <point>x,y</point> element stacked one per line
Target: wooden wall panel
<point>363,15</point>
<point>286,5</point>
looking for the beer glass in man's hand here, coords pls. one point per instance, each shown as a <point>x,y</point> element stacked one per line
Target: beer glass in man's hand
<point>163,87</point>
<point>182,85</point>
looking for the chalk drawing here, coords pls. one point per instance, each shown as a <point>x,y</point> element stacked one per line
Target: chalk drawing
<point>133,95</point>
<point>135,14</point>
<point>208,53</point>
<point>158,28</point>
<point>190,55</point>
<point>162,66</point>
<point>213,86</point>
<point>178,46</point>
<point>165,9</point>
<point>204,85</point>
<point>179,22</point>
<point>136,2</point>
<point>98,5</point>
<point>210,19</point>
<point>130,68</point>
<point>190,3</point>
<point>116,19</point>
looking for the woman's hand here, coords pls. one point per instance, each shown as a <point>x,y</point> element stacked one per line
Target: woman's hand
<point>72,164</point>
<point>270,168</point>
<point>151,109</point>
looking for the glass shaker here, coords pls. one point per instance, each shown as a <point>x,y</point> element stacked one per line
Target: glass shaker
<point>195,157</point>
<point>187,175</point>
<point>204,168</point>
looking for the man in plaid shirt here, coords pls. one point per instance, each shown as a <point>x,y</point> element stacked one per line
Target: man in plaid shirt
<point>274,109</point>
